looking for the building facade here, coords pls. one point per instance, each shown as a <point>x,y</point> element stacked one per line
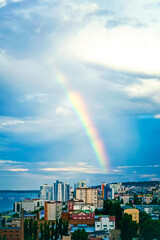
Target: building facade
<point>11,233</point>
<point>59,191</point>
<point>88,195</point>
<point>108,193</point>
<point>104,223</point>
<point>134,213</point>
<point>53,210</point>
<point>28,205</point>
<point>47,192</point>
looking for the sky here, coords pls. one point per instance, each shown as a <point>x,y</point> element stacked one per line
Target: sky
<point>79,91</point>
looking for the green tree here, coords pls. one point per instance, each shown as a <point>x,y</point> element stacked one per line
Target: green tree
<point>29,238</point>
<point>46,231</point>
<point>60,227</point>
<point>41,231</point>
<point>143,216</point>
<point>3,222</point>
<point>57,230</point>
<point>4,237</point>
<point>79,235</point>
<point>128,227</point>
<point>35,230</point>
<point>30,227</point>
<point>25,229</point>
<point>65,227</point>
<point>16,215</point>
<point>113,208</point>
<point>52,230</point>
<point>150,229</point>
<point>137,201</point>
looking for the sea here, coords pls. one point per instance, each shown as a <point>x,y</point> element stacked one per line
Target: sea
<point>7,198</point>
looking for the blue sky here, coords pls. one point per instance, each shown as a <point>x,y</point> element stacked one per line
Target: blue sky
<point>109,52</point>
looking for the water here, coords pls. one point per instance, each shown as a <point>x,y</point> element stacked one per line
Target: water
<point>7,198</point>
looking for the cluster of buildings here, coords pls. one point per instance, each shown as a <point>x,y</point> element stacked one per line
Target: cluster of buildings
<point>58,191</point>
<point>78,206</point>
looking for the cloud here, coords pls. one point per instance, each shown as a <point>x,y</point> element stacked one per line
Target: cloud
<point>124,48</point>
<point>38,97</point>
<point>157,116</point>
<point>75,170</point>
<point>8,161</point>
<point>62,111</point>
<point>53,127</point>
<point>139,166</point>
<point>145,88</point>
<point>148,175</point>
<point>16,169</point>
<point>3,3</point>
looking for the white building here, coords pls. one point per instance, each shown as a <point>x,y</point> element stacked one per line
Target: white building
<point>28,205</point>
<point>77,205</point>
<point>47,192</point>
<point>104,223</point>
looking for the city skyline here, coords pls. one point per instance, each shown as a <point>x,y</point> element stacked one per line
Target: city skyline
<point>79,92</point>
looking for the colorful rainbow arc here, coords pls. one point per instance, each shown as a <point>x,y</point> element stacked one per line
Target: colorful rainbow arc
<point>80,108</point>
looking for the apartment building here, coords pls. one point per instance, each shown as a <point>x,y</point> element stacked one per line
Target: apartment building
<point>88,195</point>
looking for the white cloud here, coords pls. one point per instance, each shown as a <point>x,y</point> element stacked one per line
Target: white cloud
<point>39,97</point>
<point>62,111</point>
<point>2,3</point>
<point>148,175</point>
<point>79,169</point>
<point>7,161</point>
<point>144,88</point>
<point>58,125</point>
<point>139,166</point>
<point>16,169</point>
<point>157,116</point>
<point>123,48</point>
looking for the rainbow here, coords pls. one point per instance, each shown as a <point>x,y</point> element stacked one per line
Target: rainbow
<point>82,113</point>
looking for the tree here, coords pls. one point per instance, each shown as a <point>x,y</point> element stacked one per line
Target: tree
<point>52,230</point>
<point>30,227</point>
<point>29,238</point>
<point>3,222</point>
<point>65,227</point>
<point>16,215</point>
<point>128,227</point>
<point>25,229</point>
<point>150,229</point>
<point>143,216</point>
<point>60,227</point>
<point>113,208</point>
<point>41,231</point>
<point>4,237</point>
<point>35,230</point>
<point>137,201</point>
<point>79,235</point>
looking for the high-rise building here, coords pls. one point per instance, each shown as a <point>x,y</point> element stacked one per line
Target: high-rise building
<point>47,192</point>
<point>102,188</point>
<point>61,191</point>
<point>108,193</point>
<point>80,184</point>
<point>88,195</point>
